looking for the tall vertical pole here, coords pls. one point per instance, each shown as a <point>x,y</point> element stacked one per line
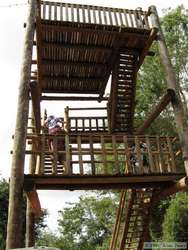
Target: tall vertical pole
<point>30,226</point>
<point>30,216</point>
<point>14,226</point>
<point>180,117</point>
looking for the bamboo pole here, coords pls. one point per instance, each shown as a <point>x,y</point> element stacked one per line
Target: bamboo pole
<point>180,117</point>
<point>14,226</point>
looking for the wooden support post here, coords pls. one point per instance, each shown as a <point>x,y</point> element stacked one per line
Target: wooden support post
<point>66,119</point>
<point>35,96</point>
<point>92,155</point>
<point>179,186</point>
<point>55,155</point>
<point>150,157</point>
<point>128,168</point>
<point>145,51</point>
<point>30,226</point>
<point>30,217</point>
<point>42,155</point>
<point>161,168</point>
<point>165,100</point>
<point>34,201</point>
<point>180,117</point>
<point>68,168</point>
<point>14,226</point>
<point>80,156</point>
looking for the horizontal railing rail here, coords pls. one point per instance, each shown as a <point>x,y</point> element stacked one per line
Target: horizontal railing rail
<point>56,11</point>
<point>105,154</point>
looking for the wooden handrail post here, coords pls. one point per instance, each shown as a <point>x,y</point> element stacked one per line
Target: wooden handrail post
<point>67,121</point>
<point>68,168</point>
<point>55,155</point>
<point>180,118</point>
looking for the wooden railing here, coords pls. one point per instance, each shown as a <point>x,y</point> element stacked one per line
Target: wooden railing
<point>88,124</point>
<point>91,123</point>
<point>106,154</point>
<point>56,11</point>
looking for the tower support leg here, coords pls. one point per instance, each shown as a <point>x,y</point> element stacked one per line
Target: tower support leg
<point>30,226</point>
<point>14,226</point>
<point>180,117</point>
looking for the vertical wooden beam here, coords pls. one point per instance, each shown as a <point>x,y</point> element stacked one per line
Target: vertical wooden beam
<point>180,117</point>
<point>35,97</point>
<point>150,157</point>
<point>68,168</point>
<point>80,156</point>
<point>55,155</point>
<point>138,156</point>
<point>30,217</point>
<point>14,226</point>
<point>66,120</point>
<point>128,168</point>
<point>114,147</point>
<point>104,154</point>
<point>161,168</point>
<point>30,226</point>
<point>42,155</point>
<point>92,154</point>
<point>172,159</point>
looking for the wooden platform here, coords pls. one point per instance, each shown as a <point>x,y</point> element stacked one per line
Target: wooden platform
<point>89,182</point>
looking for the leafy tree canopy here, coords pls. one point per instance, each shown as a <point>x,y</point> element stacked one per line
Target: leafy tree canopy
<point>176,219</point>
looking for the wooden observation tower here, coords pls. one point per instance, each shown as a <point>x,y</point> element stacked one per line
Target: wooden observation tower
<point>71,52</point>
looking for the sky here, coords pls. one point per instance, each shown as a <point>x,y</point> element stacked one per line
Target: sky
<point>12,17</point>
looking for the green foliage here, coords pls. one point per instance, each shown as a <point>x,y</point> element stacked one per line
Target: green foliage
<point>4,200</point>
<point>40,225</point>
<point>3,212</point>
<point>47,239</point>
<point>87,223</point>
<point>176,220</point>
<point>157,217</point>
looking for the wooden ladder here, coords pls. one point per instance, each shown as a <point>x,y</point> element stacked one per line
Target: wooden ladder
<point>132,221</point>
<point>123,92</point>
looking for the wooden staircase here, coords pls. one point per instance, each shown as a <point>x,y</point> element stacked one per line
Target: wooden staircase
<point>132,221</point>
<point>50,164</point>
<point>122,103</point>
